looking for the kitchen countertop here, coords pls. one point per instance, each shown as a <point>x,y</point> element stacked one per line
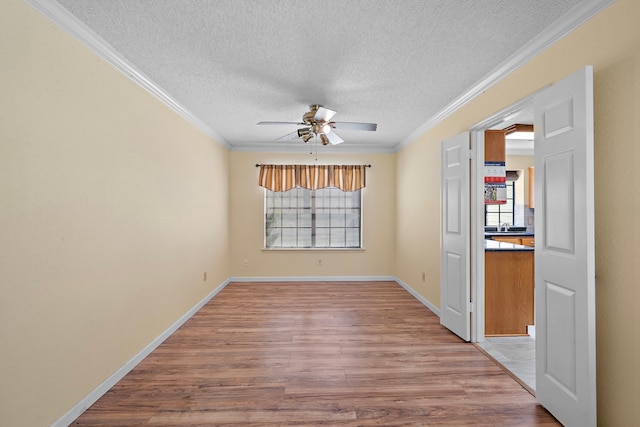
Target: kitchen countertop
<point>508,233</point>
<point>494,245</point>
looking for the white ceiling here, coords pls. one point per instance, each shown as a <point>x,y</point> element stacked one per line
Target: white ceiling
<point>228,64</point>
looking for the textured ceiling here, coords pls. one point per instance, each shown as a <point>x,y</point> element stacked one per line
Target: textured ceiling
<point>232,63</point>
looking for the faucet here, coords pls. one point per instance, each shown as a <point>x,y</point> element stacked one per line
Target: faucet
<point>504,227</point>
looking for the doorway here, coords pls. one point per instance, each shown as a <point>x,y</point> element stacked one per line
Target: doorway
<point>564,247</point>
<point>514,350</point>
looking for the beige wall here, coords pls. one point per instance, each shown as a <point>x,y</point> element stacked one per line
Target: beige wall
<point>112,208</point>
<point>617,206</point>
<point>247,224</point>
<point>418,217</point>
<point>611,42</point>
<point>522,164</point>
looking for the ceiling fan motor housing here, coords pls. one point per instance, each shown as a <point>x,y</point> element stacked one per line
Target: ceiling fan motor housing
<point>309,116</point>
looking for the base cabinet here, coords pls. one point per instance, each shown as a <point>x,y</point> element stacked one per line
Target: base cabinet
<point>508,282</point>
<point>508,239</point>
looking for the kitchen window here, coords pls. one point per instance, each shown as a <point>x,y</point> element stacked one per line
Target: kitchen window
<point>496,215</point>
<point>322,218</point>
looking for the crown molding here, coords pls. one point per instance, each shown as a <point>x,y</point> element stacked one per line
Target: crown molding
<point>556,31</point>
<point>70,24</point>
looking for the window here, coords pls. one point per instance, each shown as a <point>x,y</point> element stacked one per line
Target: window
<point>302,218</point>
<point>495,215</point>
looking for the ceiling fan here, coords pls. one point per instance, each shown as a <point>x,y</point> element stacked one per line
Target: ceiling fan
<point>318,123</point>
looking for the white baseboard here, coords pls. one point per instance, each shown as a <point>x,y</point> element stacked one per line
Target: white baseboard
<point>315,279</point>
<point>419,297</point>
<point>99,391</point>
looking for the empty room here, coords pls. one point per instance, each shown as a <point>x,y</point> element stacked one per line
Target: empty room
<point>287,213</point>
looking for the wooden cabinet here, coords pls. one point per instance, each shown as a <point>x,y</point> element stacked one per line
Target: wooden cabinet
<point>531,187</point>
<point>508,282</point>
<point>525,241</point>
<point>508,239</point>
<point>495,146</point>
<point>528,241</point>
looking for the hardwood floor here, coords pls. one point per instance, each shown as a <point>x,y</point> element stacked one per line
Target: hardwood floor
<point>316,353</point>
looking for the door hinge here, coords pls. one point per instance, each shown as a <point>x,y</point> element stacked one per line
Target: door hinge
<point>470,306</point>
<point>471,154</point>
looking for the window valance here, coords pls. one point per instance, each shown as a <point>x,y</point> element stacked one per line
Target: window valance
<point>312,177</point>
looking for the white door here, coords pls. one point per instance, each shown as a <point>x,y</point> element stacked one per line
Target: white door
<point>454,236</point>
<point>565,272</point>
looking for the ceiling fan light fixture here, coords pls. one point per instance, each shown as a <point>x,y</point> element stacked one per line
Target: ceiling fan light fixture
<point>323,139</point>
<point>321,128</point>
<point>305,134</point>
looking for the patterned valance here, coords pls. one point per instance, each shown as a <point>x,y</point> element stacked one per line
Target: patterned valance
<point>312,177</point>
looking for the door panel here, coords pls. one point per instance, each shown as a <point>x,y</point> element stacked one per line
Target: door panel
<point>454,285</point>
<point>565,273</point>
<point>561,304</point>
<point>560,204</point>
<point>453,200</point>
<point>455,295</point>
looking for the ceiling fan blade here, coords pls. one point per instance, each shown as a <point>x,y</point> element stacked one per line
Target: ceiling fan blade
<point>334,139</point>
<point>323,114</point>
<point>279,123</point>
<point>354,126</point>
<point>292,135</point>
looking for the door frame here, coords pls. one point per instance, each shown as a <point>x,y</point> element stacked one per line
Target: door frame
<point>477,209</point>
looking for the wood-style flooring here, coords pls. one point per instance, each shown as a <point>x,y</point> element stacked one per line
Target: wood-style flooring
<point>316,353</point>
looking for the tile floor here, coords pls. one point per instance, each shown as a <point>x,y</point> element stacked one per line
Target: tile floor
<point>517,354</point>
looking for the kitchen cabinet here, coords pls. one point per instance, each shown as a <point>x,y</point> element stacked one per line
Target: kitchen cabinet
<point>508,239</point>
<point>495,146</point>
<point>525,241</point>
<point>509,282</point>
<point>528,241</point>
<point>531,187</point>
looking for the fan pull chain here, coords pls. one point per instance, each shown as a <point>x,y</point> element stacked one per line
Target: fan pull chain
<point>316,143</point>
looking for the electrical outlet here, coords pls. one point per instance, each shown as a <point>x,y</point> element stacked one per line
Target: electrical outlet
<point>245,263</point>
<point>424,276</point>
<point>205,276</point>
<point>319,261</point>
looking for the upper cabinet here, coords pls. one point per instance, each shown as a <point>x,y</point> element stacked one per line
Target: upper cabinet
<point>532,187</point>
<point>494,146</point>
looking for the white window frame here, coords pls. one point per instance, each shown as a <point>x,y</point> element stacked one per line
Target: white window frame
<point>311,223</point>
